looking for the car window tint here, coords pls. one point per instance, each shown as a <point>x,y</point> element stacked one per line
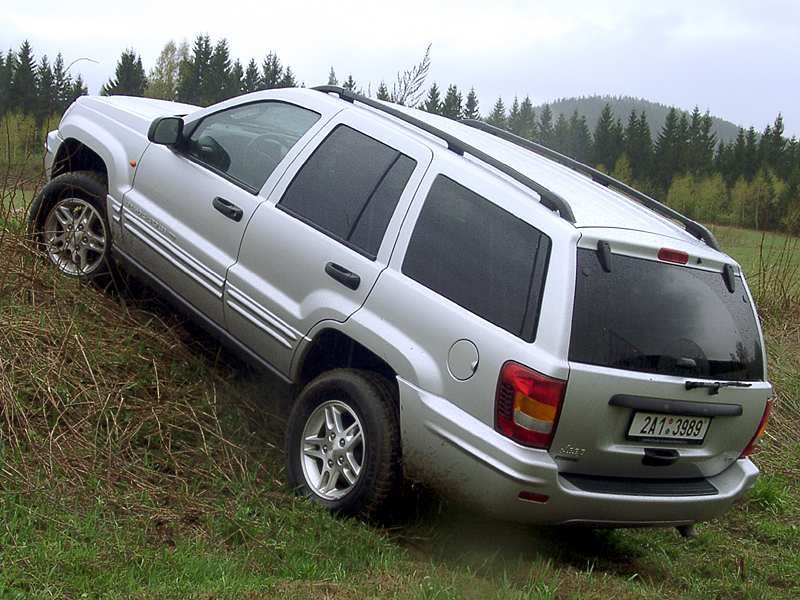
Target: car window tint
<point>480,256</point>
<point>349,188</point>
<point>246,143</point>
<point>656,317</point>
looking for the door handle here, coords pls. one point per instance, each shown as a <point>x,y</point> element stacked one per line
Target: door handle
<point>344,276</point>
<point>228,209</point>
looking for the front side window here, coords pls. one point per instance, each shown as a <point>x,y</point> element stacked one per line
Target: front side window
<point>478,255</point>
<point>349,188</point>
<point>246,143</point>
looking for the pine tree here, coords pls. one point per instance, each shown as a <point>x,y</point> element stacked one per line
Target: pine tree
<point>288,80</point>
<point>129,78</point>
<point>497,117</point>
<point>162,81</point>
<point>236,79</point>
<point>77,89</point>
<point>433,101</point>
<point>271,72</point>
<point>774,147</point>
<point>3,84</point>
<point>452,105</point>
<point>383,92</point>
<point>350,83</point>
<point>722,158</point>
<point>638,145</point>
<point>668,149</point>
<point>751,159</point>
<point>47,99</point>
<point>215,87</point>
<point>560,141</point>
<point>527,118</point>
<point>683,144</point>
<point>737,153</point>
<point>514,122</point>
<point>252,78</point>
<point>23,82</point>
<point>701,143</point>
<point>332,77</point>
<point>62,83</point>
<point>580,138</point>
<point>606,146</point>
<point>546,126</point>
<point>193,71</point>
<point>471,107</point>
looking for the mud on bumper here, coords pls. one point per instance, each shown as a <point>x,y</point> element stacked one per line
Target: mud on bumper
<point>468,461</point>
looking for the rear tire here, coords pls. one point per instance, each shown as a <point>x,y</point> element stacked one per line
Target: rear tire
<point>328,461</point>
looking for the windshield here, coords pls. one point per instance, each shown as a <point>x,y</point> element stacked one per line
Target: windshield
<point>662,318</point>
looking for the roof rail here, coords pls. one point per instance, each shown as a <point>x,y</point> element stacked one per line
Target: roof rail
<point>548,198</point>
<point>693,227</point>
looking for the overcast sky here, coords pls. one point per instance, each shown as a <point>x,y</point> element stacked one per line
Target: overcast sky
<point>738,58</point>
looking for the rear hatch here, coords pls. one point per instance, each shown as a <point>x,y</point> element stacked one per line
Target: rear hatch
<point>648,319</point>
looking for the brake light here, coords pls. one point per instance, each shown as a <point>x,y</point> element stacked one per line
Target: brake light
<point>748,450</point>
<point>675,256</point>
<point>527,405</point>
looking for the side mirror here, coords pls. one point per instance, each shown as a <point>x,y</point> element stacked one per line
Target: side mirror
<point>167,131</point>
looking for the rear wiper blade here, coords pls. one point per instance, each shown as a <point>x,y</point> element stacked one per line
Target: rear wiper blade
<point>714,386</point>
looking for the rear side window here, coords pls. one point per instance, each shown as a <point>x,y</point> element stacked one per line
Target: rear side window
<point>349,188</point>
<point>661,318</point>
<point>480,256</point>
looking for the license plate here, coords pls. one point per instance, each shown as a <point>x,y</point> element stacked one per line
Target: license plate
<point>668,427</point>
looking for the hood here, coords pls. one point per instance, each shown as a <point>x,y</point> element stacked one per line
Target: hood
<point>136,113</point>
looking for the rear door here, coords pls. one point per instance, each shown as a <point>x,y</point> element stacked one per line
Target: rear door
<point>185,216</point>
<point>316,249</point>
<point>641,329</point>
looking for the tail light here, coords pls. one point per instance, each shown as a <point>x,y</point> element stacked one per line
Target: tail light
<point>748,450</point>
<point>527,405</point>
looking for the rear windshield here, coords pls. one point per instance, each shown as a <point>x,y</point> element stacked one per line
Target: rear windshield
<point>660,318</point>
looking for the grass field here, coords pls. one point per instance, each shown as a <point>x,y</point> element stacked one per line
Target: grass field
<point>137,459</point>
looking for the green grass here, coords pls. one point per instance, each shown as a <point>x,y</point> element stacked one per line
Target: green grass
<point>137,460</point>
<point>747,245</point>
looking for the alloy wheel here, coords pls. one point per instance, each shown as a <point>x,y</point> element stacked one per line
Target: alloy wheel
<point>332,450</point>
<point>75,237</point>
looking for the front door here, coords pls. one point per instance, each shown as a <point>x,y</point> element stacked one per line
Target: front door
<point>314,251</point>
<point>184,219</point>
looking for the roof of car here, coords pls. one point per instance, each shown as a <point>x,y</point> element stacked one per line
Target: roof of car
<point>593,204</point>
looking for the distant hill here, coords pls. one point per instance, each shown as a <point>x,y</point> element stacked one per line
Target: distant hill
<point>592,106</point>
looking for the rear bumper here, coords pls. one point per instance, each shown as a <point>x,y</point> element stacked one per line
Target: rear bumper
<point>467,460</point>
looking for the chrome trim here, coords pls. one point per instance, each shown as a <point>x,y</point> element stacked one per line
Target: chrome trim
<point>144,238</point>
<point>177,256</point>
<point>116,208</point>
<point>212,327</point>
<point>262,313</point>
<point>261,325</point>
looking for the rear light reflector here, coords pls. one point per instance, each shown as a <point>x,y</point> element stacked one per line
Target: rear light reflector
<point>748,450</point>
<point>533,497</point>
<point>527,405</point>
<point>674,256</point>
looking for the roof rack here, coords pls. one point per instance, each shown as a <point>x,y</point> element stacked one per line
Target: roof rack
<point>693,227</point>
<point>548,198</point>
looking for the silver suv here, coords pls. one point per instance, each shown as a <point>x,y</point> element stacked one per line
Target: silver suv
<point>454,304</point>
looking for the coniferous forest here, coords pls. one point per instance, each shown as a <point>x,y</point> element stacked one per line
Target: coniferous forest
<point>751,181</point>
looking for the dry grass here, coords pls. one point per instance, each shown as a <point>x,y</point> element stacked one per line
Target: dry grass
<point>99,391</point>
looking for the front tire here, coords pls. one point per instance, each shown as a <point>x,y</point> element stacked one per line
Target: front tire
<point>343,443</point>
<point>71,227</point>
